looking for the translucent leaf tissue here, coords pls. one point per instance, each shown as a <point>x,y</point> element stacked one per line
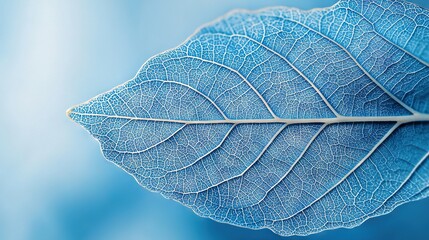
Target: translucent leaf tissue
<point>295,121</point>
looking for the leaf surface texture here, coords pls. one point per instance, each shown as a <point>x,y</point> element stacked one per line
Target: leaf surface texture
<point>296,121</point>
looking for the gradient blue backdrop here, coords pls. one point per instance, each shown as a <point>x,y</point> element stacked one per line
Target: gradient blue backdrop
<point>54,182</point>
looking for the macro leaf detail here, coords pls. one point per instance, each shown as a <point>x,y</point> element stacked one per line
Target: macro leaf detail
<point>296,121</point>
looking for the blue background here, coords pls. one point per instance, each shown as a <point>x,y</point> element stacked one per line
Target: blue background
<point>54,182</point>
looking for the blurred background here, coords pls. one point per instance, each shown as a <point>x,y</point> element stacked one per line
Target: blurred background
<point>54,182</point>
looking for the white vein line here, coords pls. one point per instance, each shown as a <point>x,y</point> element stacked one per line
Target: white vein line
<point>119,134</point>
<point>342,119</point>
<point>291,65</point>
<point>148,148</point>
<point>400,102</point>
<point>125,102</point>
<point>376,146</point>
<point>191,88</point>
<point>416,196</point>
<point>241,76</point>
<point>387,40</point>
<point>293,164</point>
<point>250,166</point>
<point>208,153</point>
<point>419,163</point>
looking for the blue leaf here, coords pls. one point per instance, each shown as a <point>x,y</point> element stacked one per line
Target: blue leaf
<point>296,121</point>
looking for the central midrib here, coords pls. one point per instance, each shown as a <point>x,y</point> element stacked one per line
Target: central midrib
<point>341,119</point>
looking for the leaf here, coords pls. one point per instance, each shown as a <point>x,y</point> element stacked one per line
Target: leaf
<point>296,121</point>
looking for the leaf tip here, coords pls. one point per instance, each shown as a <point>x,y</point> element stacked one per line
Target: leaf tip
<point>69,113</point>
